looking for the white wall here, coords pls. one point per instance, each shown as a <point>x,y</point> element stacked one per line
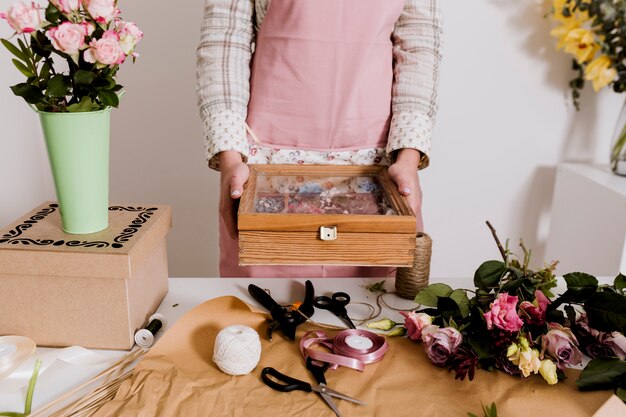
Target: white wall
<point>505,122</point>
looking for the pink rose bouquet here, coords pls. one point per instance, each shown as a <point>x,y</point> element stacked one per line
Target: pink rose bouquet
<point>89,35</point>
<point>513,323</point>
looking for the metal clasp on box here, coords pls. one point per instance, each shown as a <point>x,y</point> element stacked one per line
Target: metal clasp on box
<point>328,232</point>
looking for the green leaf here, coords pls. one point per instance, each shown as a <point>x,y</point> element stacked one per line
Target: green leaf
<point>52,13</point>
<point>448,308</point>
<point>85,104</point>
<point>621,393</point>
<point>23,68</point>
<point>14,50</point>
<point>462,300</point>
<point>44,72</point>
<point>428,296</point>
<point>58,86</point>
<point>23,47</point>
<point>601,373</point>
<point>580,280</point>
<point>82,77</point>
<point>31,387</point>
<point>606,311</point>
<point>488,274</point>
<point>28,92</point>
<point>620,282</point>
<point>109,98</point>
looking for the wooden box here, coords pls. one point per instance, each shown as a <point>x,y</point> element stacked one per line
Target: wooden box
<point>92,290</point>
<point>324,215</point>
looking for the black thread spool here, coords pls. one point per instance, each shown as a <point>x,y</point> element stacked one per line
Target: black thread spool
<point>145,337</point>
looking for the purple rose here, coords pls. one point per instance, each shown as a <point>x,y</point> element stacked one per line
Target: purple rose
<point>441,344</point>
<point>561,344</point>
<point>600,344</point>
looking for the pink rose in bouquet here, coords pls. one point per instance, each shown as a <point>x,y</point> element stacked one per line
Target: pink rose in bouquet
<point>441,344</point>
<point>68,37</point>
<point>102,11</point>
<point>106,50</point>
<point>414,323</point>
<point>560,343</point>
<point>503,314</point>
<point>130,35</point>
<point>23,17</point>
<point>535,312</point>
<point>66,6</point>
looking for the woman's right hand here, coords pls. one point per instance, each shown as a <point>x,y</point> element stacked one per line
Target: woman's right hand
<point>234,174</point>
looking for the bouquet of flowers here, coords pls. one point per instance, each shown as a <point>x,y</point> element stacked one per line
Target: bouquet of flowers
<point>594,32</point>
<point>86,38</point>
<point>515,324</point>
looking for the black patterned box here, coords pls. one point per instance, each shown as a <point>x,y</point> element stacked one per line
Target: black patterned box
<point>91,290</point>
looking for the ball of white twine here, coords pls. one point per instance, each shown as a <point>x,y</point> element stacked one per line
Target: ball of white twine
<point>237,350</point>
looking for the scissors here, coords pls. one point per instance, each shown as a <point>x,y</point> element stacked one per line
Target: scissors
<point>285,319</point>
<point>337,305</point>
<point>288,384</point>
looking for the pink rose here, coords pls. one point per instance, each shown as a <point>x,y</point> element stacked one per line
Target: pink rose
<point>560,343</point>
<point>440,344</point>
<point>130,35</point>
<point>23,17</point>
<point>535,312</point>
<point>105,51</point>
<point>68,37</point>
<point>66,6</point>
<point>102,11</point>
<point>503,314</point>
<point>414,323</point>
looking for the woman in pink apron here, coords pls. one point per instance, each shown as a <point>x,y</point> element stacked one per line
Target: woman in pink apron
<point>316,81</point>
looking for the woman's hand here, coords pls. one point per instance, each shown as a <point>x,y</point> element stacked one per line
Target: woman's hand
<point>404,173</point>
<point>234,174</point>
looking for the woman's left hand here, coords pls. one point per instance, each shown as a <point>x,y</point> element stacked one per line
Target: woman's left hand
<point>404,173</point>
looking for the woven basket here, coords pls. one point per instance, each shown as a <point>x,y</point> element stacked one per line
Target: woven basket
<point>409,280</point>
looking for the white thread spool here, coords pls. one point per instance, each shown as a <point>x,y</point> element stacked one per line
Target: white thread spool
<point>237,350</point>
<point>145,337</point>
<point>14,350</point>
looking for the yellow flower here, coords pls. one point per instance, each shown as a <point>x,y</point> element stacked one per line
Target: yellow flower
<point>548,371</point>
<point>563,31</point>
<point>581,43</point>
<point>529,361</point>
<point>600,72</point>
<point>557,12</point>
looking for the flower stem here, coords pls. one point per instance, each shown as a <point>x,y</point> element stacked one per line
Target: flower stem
<point>495,236</point>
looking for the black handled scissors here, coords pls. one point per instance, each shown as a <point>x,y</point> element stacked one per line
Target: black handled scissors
<point>284,383</point>
<point>337,305</point>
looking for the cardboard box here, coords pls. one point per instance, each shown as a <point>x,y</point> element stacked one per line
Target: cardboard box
<point>91,290</point>
<point>325,215</point>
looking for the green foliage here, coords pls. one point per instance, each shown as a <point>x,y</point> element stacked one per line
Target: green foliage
<point>488,274</point>
<point>602,373</point>
<point>430,295</point>
<point>488,411</point>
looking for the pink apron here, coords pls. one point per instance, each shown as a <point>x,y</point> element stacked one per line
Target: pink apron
<point>321,79</point>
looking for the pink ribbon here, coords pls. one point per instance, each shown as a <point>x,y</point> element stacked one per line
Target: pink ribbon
<point>342,353</point>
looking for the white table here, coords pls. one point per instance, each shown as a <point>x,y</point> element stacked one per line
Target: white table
<point>186,293</point>
<point>588,220</point>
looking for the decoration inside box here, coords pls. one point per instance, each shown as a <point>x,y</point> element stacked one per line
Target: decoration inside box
<point>515,324</point>
<point>320,195</point>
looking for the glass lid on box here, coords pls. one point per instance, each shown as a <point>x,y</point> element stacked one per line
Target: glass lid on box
<point>312,194</point>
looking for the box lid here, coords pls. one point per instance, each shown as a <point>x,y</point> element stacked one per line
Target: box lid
<point>35,244</point>
<point>305,198</point>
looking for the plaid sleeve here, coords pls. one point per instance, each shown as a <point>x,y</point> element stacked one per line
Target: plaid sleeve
<point>223,75</point>
<point>417,55</point>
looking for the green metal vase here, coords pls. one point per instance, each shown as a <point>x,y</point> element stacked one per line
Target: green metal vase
<point>78,149</point>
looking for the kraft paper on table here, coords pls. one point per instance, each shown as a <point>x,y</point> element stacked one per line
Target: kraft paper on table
<point>179,378</point>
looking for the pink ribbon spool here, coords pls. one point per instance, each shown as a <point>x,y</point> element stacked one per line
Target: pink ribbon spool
<point>353,348</point>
